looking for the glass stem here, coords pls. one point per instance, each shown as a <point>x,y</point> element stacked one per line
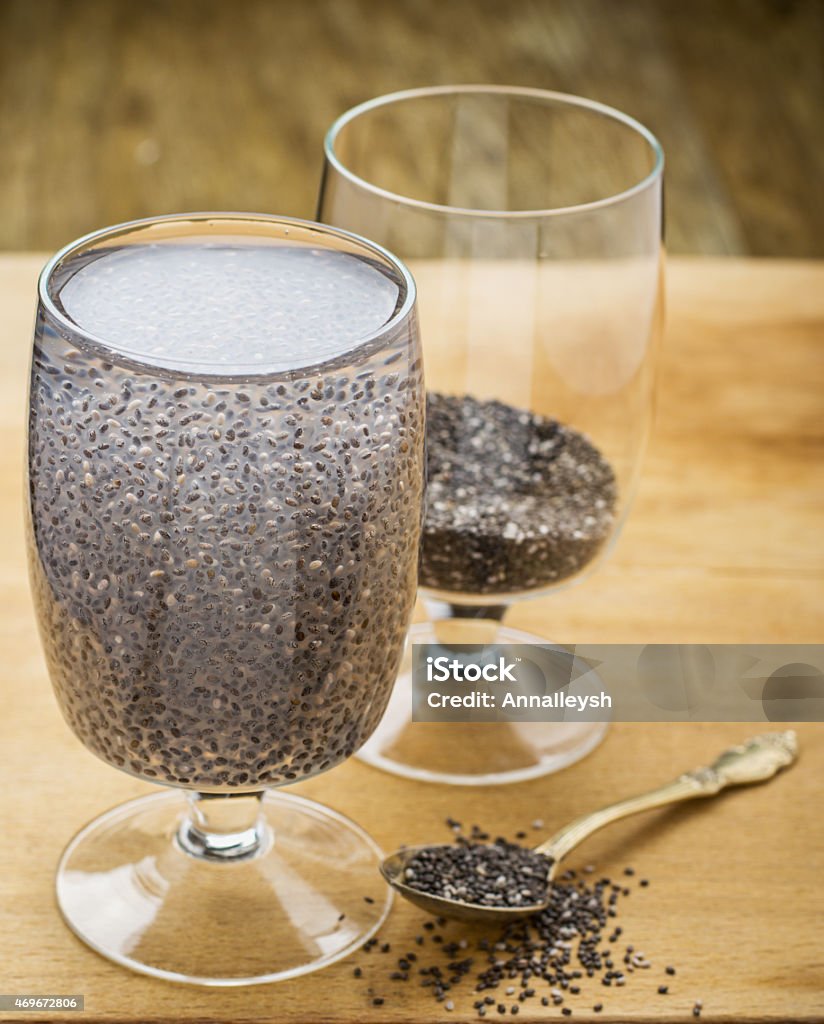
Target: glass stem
<point>455,625</point>
<point>439,610</point>
<point>224,826</point>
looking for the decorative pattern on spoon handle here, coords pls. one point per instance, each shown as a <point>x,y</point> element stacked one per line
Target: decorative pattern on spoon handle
<point>755,760</point>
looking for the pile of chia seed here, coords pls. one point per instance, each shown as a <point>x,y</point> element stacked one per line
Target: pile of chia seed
<point>547,958</point>
<point>516,501</point>
<point>499,874</point>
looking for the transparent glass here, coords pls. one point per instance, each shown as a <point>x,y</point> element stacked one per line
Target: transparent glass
<point>223,533</point>
<point>532,223</point>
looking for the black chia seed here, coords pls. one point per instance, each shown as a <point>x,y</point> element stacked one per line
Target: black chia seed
<point>499,874</point>
<point>516,501</point>
<point>546,952</point>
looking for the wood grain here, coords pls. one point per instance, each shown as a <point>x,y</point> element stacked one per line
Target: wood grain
<point>111,110</point>
<point>724,544</point>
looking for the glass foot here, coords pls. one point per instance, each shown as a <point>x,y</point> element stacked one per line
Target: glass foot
<point>309,894</point>
<point>471,754</point>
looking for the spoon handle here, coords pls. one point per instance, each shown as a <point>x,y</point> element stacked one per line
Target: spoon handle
<point>755,760</point>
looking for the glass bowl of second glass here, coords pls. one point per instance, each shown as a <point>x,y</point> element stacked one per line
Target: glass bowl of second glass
<point>532,223</point>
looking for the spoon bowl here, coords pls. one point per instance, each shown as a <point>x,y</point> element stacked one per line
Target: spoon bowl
<point>393,869</point>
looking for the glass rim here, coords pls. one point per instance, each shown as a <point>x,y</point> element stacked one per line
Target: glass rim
<point>527,92</point>
<point>244,371</point>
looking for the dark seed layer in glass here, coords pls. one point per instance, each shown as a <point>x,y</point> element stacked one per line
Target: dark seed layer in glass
<point>515,501</point>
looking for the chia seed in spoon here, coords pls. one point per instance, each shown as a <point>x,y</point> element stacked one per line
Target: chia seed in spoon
<point>499,874</point>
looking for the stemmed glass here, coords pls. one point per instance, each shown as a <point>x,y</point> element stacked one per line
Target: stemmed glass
<point>225,467</point>
<point>532,223</point>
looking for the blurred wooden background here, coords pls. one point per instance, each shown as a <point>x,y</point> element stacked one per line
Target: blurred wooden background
<point>113,109</point>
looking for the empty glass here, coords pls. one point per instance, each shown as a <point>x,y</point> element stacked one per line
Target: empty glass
<point>532,223</point>
<point>225,466</point>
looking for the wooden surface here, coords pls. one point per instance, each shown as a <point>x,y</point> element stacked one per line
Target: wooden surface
<point>111,109</point>
<point>724,543</point>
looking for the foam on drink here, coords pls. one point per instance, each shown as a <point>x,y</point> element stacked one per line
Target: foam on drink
<point>214,307</point>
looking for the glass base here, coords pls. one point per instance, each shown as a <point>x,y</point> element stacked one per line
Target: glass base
<point>471,754</point>
<point>128,888</point>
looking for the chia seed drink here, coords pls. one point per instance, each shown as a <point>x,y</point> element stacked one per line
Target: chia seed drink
<point>224,503</point>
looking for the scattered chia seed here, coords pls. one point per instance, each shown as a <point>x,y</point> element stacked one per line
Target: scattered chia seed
<point>499,874</point>
<point>516,501</point>
<point>556,947</point>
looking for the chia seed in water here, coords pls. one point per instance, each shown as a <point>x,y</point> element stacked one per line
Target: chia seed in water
<point>224,565</point>
<point>515,501</point>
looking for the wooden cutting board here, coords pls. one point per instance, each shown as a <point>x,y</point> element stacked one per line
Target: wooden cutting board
<point>725,543</point>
